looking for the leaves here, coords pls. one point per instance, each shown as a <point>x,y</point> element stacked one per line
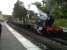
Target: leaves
<point>19,10</point>
<point>57,8</point>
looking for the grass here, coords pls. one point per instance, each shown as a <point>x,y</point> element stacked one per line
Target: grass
<point>61,22</point>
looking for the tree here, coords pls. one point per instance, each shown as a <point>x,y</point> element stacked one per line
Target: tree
<point>56,8</point>
<point>64,7</point>
<point>19,11</point>
<point>0,12</point>
<point>60,9</point>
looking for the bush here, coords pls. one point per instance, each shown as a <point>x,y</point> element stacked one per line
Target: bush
<point>61,22</point>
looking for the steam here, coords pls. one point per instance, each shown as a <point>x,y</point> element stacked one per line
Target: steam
<point>40,13</point>
<point>35,9</point>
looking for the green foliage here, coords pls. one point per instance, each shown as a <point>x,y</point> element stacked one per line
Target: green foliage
<point>60,22</point>
<point>59,10</point>
<point>19,11</point>
<point>65,10</point>
<point>41,7</point>
<point>55,8</point>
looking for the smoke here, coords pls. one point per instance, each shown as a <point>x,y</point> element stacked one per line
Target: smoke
<point>32,7</point>
<point>42,15</point>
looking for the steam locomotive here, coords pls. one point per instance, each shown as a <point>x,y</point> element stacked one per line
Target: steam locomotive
<point>41,22</point>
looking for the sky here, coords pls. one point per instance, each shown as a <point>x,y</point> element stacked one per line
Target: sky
<point>6,6</point>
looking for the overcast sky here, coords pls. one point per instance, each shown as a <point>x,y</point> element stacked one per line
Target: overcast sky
<point>6,6</point>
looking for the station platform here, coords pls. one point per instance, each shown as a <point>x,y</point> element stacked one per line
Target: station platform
<point>11,40</point>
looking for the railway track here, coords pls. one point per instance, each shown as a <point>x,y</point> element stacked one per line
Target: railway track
<point>52,43</point>
<point>60,40</point>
